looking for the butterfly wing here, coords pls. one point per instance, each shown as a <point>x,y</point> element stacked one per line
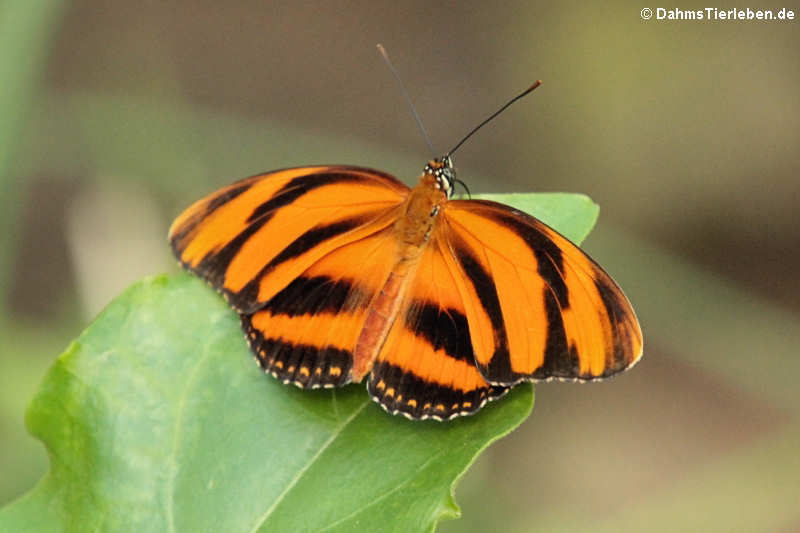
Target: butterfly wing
<point>538,308</point>
<point>300,254</point>
<point>250,240</point>
<point>307,332</point>
<point>426,367</point>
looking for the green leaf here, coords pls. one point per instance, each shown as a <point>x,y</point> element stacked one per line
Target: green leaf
<point>573,215</point>
<point>157,419</point>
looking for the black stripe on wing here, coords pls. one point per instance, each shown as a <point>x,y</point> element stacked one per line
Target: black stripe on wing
<point>443,328</point>
<point>315,295</point>
<point>305,242</point>
<point>401,392</point>
<point>498,371</point>
<point>296,188</point>
<point>619,317</point>
<point>179,239</point>
<point>304,365</point>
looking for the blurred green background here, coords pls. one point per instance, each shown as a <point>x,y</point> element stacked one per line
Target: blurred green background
<point>115,115</point>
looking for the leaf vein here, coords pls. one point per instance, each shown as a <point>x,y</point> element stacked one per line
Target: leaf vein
<point>386,494</point>
<point>336,432</point>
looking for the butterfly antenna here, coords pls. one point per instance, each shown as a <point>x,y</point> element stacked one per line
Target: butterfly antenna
<point>403,89</point>
<point>469,194</point>
<point>482,124</point>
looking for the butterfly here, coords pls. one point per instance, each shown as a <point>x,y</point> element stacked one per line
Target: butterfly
<point>340,273</point>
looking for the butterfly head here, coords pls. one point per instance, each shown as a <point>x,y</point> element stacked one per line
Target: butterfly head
<point>443,170</point>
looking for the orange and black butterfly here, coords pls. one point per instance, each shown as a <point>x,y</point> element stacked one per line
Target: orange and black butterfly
<point>341,272</point>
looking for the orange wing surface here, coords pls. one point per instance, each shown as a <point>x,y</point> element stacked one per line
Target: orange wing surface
<point>251,239</point>
<point>538,308</point>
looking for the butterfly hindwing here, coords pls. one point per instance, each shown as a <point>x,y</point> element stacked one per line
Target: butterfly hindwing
<point>251,239</point>
<point>306,333</point>
<point>539,308</point>
<point>426,367</point>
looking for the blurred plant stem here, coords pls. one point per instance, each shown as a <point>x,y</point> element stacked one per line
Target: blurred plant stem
<point>26,30</point>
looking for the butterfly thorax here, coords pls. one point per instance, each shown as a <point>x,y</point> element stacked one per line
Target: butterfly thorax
<point>420,209</point>
<point>423,204</point>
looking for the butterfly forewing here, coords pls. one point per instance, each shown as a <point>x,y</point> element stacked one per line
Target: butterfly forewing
<point>253,238</point>
<point>541,308</point>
